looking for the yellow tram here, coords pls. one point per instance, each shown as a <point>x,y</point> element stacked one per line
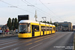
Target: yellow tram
<point>28,29</point>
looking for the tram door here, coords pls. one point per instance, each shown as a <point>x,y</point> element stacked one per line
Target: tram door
<point>35,28</point>
<point>51,29</point>
<point>43,32</point>
<point>33,31</point>
<point>42,29</point>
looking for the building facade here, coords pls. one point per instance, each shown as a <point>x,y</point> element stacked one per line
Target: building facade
<point>73,27</point>
<point>64,26</point>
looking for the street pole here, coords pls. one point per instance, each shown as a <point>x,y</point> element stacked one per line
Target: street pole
<point>45,23</point>
<point>44,18</point>
<point>35,12</point>
<point>35,16</point>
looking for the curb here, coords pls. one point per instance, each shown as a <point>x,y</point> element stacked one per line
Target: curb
<point>8,36</point>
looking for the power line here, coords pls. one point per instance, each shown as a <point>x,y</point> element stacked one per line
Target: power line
<point>14,6</point>
<point>26,2</point>
<point>35,7</point>
<point>48,8</point>
<point>5,2</point>
<point>45,6</point>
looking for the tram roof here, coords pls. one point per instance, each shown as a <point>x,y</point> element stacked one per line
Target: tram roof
<point>29,21</point>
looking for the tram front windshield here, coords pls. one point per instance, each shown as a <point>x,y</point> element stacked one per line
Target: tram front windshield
<point>24,28</point>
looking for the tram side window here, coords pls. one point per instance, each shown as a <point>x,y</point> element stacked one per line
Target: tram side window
<point>45,28</point>
<point>42,28</point>
<point>35,27</point>
<point>29,30</point>
<point>50,28</point>
<point>53,28</point>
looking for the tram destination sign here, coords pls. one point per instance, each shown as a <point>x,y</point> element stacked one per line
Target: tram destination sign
<point>23,17</point>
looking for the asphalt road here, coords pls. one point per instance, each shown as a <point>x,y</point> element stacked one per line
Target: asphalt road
<point>57,41</point>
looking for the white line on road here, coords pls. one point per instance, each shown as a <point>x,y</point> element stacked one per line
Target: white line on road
<point>7,46</point>
<point>15,48</point>
<point>35,46</point>
<point>8,43</point>
<point>5,41</point>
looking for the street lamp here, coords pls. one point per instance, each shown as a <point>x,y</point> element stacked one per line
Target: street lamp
<point>35,16</point>
<point>44,18</point>
<point>35,12</point>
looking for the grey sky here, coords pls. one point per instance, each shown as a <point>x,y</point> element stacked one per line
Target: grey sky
<point>57,10</point>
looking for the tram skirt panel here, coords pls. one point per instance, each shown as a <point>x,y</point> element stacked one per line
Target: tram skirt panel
<point>41,32</point>
<point>37,34</point>
<point>45,32</point>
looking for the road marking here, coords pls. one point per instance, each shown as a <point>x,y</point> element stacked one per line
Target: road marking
<point>28,44</point>
<point>7,46</point>
<point>49,37</point>
<point>38,40</point>
<point>38,37</point>
<point>11,45</point>
<point>45,38</point>
<point>35,46</point>
<point>15,48</point>
<point>28,40</point>
<point>6,40</point>
<point>8,43</point>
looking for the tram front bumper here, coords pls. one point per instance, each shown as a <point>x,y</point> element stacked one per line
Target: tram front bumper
<point>24,35</point>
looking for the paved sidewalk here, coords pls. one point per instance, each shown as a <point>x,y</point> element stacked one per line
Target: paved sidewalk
<point>74,40</point>
<point>8,35</point>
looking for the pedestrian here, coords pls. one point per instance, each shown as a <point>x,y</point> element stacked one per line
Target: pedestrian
<point>16,30</point>
<point>1,31</point>
<point>7,31</point>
